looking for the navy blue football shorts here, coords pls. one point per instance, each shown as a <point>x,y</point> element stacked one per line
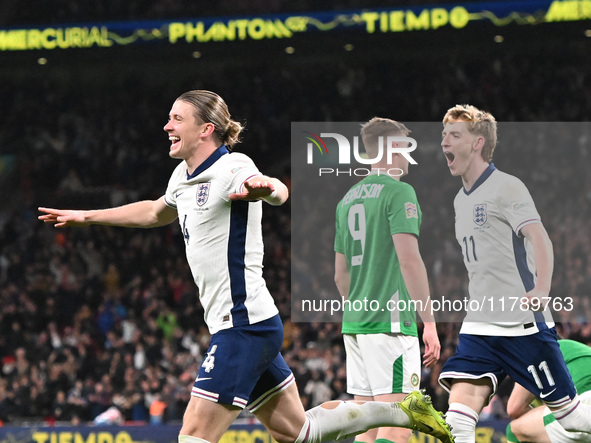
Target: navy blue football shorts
<point>534,361</point>
<point>243,366</point>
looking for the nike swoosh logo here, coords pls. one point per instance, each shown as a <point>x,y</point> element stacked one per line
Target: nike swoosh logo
<point>543,396</point>
<point>202,379</point>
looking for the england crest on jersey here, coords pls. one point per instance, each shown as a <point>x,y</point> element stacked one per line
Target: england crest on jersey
<point>480,216</point>
<point>203,193</point>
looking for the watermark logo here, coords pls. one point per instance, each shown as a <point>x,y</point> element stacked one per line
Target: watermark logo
<point>317,142</point>
<point>387,147</point>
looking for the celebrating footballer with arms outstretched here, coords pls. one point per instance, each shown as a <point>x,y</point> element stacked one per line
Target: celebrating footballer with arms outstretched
<point>216,196</point>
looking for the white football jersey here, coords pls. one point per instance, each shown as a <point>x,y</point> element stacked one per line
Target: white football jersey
<point>498,259</point>
<point>223,239</point>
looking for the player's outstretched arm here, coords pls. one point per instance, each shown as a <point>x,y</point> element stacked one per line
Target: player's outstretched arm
<point>62,217</point>
<point>270,189</point>
<point>143,214</point>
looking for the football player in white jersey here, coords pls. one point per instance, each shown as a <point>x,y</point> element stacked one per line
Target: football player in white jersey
<point>509,256</point>
<point>215,194</point>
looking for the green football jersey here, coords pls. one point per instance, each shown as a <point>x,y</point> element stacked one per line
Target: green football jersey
<point>578,360</point>
<point>366,218</point>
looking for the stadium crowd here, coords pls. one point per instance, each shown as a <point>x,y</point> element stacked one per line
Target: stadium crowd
<point>98,317</point>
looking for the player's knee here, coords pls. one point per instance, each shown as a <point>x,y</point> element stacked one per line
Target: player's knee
<point>512,411</point>
<point>188,429</point>
<point>281,437</point>
<point>289,434</point>
<point>511,438</point>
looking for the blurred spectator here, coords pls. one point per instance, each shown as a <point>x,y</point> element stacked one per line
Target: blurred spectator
<point>110,417</point>
<point>157,410</point>
<point>60,408</point>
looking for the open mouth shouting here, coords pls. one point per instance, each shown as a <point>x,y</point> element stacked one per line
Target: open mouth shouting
<point>450,158</point>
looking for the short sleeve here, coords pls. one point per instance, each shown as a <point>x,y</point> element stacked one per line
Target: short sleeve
<point>516,205</point>
<point>403,210</point>
<point>241,168</point>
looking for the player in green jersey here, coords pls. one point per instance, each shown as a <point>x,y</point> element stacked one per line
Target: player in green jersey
<point>380,272</point>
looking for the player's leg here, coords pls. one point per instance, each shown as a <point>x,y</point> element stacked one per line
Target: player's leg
<point>276,403</point>
<point>377,365</point>
<point>541,369</point>
<point>370,435</point>
<point>283,414</point>
<point>336,420</point>
<point>391,434</point>
<point>235,360</point>
<point>467,397</point>
<point>529,427</point>
<point>384,367</point>
<point>576,425</point>
<point>539,425</point>
<point>385,434</point>
<point>206,420</point>
<point>471,377</point>
<point>211,410</point>
<point>358,383</point>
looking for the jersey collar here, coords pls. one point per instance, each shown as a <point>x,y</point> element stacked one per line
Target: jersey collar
<point>215,155</point>
<point>487,172</point>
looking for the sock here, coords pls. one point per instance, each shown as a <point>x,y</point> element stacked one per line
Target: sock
<point>191,439</point>
<point>463,421</point>
<point>510,435</point>
<point>574,417</point>
<point>348,419</point>
<point>304,432</point>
